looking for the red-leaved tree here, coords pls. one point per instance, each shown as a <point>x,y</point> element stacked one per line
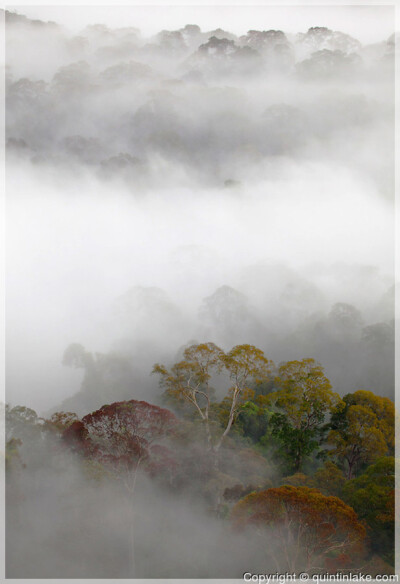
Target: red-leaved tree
<point>124,437</point>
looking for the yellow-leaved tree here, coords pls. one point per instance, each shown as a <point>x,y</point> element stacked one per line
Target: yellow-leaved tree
<point>190,380</point>
<point>362,429</point>
<point>302,401</point>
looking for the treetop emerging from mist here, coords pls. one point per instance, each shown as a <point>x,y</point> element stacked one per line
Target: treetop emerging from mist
<point>192,101</point>
<point>220,203</point>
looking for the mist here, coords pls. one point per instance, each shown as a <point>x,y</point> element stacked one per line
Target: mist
<point>182,186</point>
<point>187,172</point>
<point>176,536</point>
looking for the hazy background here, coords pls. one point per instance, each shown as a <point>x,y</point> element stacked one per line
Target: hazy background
<point>164,188</point>
<point>368,23</point>
<point>168,184</point>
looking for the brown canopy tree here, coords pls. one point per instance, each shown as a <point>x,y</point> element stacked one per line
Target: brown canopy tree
<point>123,437</point>
<point>302,529</point>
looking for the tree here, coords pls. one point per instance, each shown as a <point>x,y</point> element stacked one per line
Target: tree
<point>246,365</point>
<point>71,79</point>
<point>226,313</point>
<point>124,73</point>
<point>329,479</point>
<point>303,399</point>
<point>147,310</point>
<point>346,316</point>
<point>298,479</point>
<point>105,374</point>
<point>253,421</point>
<point>382,407</point>
<point>263,39</point>
<point>23,424</point>
<point>189,380</point>
<point>59,421</point>
<point>378,346</point>
<point>372,497</point>
<point>123,437</point>
<point>75,355</point>
<point>326,64</point>
<point>362,429</point>
<point>301,527</point>
<point>220,47</point>
<point>29,445</point>
<point>171,41</point>
<point>319,37</point>
<point>13,458</point>
<point>294,444</point>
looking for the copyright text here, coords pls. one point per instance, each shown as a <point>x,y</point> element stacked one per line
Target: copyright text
<point>305,577</point>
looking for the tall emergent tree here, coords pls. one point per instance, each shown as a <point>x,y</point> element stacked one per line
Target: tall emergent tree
<point>362,429</point>
<point>190,379</point>
<point>303,399</point>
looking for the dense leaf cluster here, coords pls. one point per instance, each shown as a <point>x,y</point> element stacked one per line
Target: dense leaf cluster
<point>280,452</point>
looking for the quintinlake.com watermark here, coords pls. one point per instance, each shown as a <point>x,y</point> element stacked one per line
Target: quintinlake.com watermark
<point>325,577</point>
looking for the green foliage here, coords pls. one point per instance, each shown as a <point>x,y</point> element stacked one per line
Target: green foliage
<point>263,389</point>
<point>252,421</point>
<point>285,419</point>
<point>247,465</point>
<point>372,497</point>
<point>361,430</point>
<point>303,399</point>
<point>59,421</point>
<point>189,380</point>
<point>329,479</point>
<point>294,444</point>
<point>383,409</point>
<point>305,393</point>
<point>13,457</point>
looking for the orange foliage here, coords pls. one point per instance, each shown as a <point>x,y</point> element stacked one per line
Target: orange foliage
<point>306,526</point>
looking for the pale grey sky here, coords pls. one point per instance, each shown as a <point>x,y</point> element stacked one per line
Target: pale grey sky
<point>368,23</point>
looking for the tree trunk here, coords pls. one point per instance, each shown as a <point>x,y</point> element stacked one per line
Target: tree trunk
<point>215,458</point>
<point>230,421</point>
<point>132,564</point>
<point>297,462</point>
<point>131,519</point>
<point>208,433</point>
<point>350,473</point>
